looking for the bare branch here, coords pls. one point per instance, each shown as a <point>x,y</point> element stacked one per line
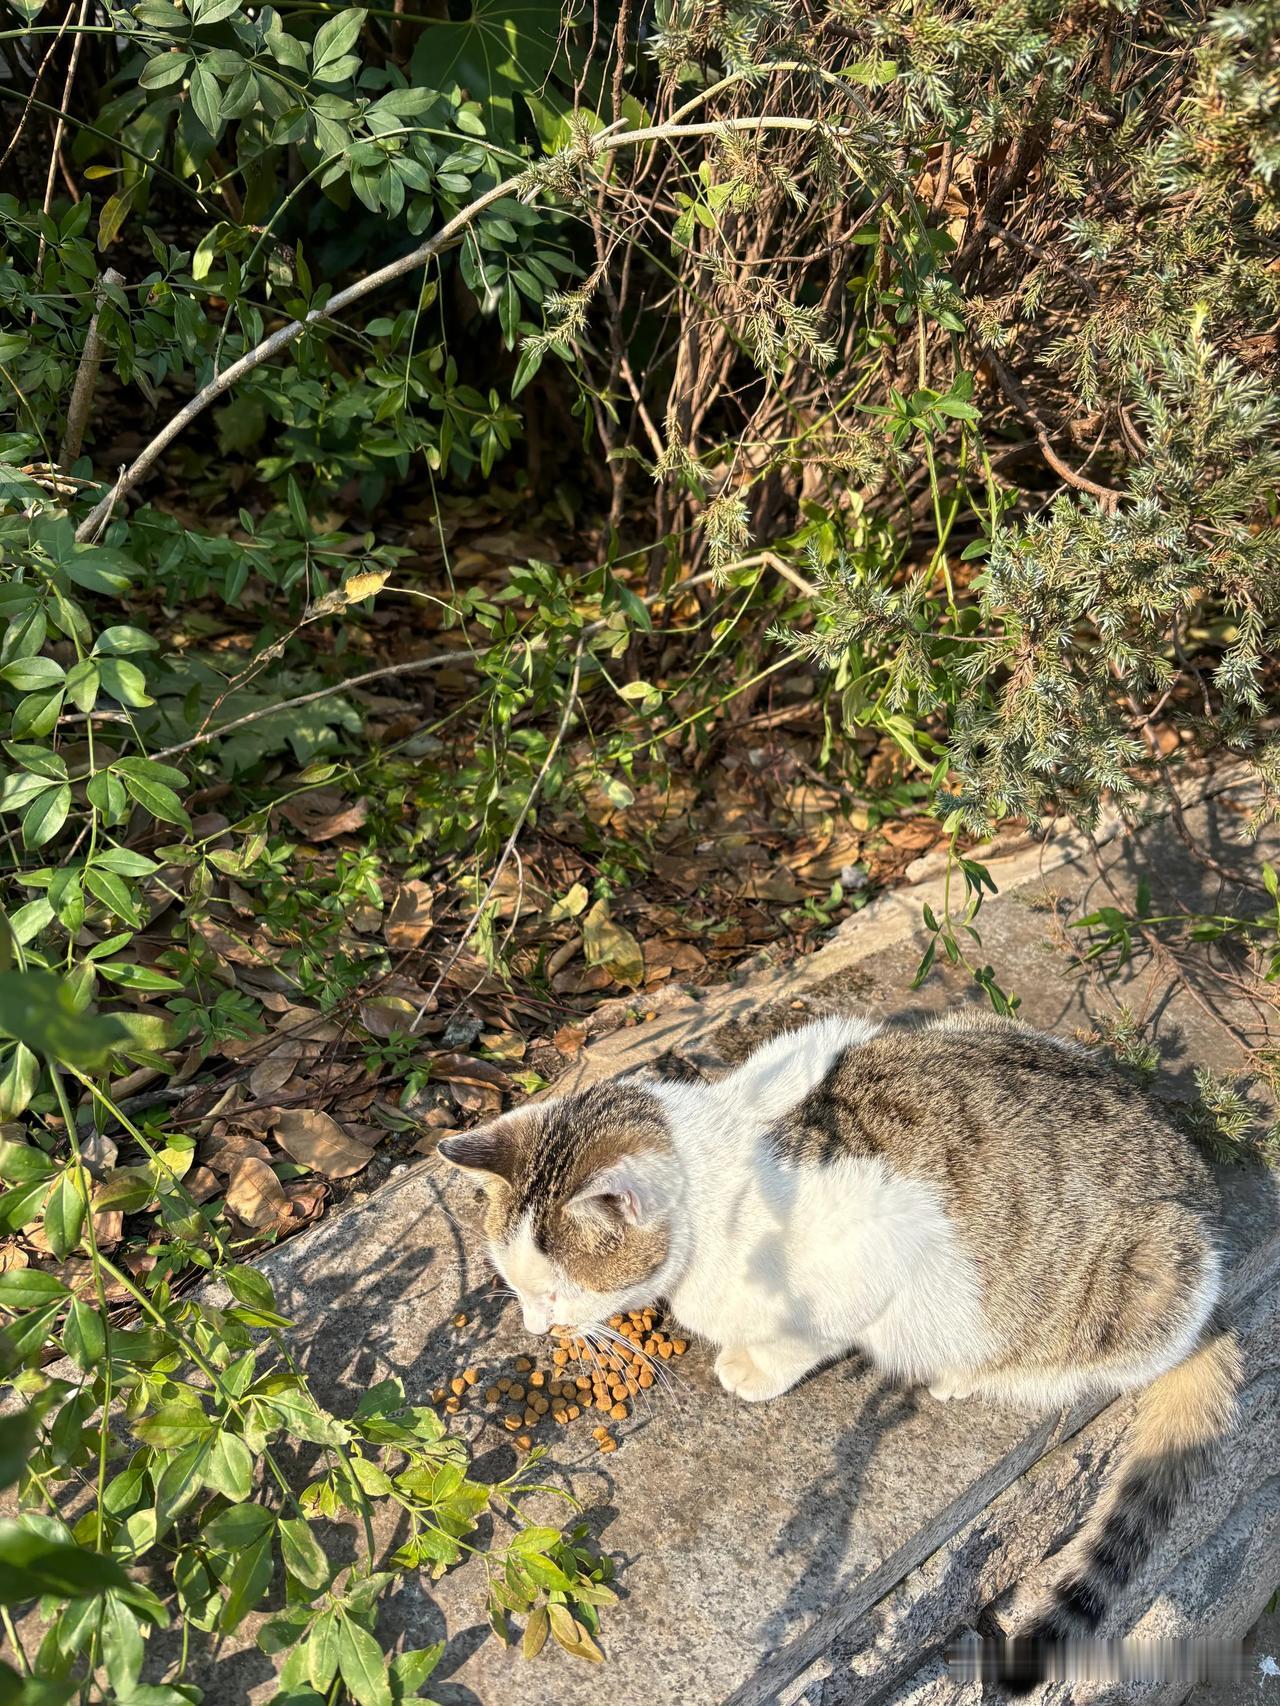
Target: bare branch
<point>86,377</point>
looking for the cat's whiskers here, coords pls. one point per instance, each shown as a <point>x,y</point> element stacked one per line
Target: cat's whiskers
<point>663,1379</point>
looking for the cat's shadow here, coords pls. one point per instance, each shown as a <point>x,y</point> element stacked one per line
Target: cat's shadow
<point>819,1529</point>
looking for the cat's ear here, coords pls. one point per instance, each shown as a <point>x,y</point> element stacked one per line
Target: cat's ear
<point>485,1149</point>
<point>624,1191</point>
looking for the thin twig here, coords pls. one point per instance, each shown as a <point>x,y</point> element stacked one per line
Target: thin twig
<point>1107,496</point>
<point>56,153</point>
<point>414,666</point>
<point>25,114</point>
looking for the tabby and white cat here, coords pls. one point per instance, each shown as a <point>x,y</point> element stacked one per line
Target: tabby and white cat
<point>975,1206</point>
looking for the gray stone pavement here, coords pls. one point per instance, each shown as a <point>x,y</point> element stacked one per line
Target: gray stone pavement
<point>822,1548</point>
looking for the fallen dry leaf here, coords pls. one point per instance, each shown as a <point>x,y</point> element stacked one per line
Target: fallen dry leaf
<point>431,1142</point>
<point>476,1098</point>
<point>228,947</point>
<point>274,1072</point>
<point>311,1024</point>
<point>99,1152</point>
<point>222,1154</point>
<point>387,1015</point>
<point>107,1227</point>
<point>320,814</point>
<point>569,1039</point>
<point>203,1183</point>
<point>409,919</point>
<point>505,1044</point>
<point>605,943</point>
<point>462,1069</point>
<point>581,980</point>
<point>255,1194</point>
<point>318,1142</point>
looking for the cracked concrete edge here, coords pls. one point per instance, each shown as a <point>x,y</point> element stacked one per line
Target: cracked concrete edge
<point>993,1566</point>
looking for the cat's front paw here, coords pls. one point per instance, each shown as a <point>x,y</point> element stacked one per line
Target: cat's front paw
<point>749,1376</point>
<point>951,1386</point>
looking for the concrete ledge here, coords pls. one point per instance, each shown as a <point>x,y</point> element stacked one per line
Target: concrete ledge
<point>824,1547</point>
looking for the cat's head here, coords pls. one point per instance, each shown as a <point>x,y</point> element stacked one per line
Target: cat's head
<point>583,1202</point>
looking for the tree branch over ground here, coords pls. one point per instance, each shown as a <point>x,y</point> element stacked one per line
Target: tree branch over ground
<point>524,181</point>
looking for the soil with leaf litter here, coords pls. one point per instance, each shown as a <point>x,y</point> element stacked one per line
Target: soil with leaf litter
<point>300,1088</point>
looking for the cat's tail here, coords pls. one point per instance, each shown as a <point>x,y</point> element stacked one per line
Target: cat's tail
<point>1180,1419</point>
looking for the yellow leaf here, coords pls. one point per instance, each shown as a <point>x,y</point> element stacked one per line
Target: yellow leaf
<point>535,1633</point>
<point>607,944</point>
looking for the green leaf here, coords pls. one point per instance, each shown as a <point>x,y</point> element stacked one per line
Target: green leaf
<point>124,681</point>
<point>20,1206</point>
<point>334,40</point>
<point>206,98</point>
<point>64,1214</point>
<point>115,210</point>
<point>46,815</point>
<point>362,1665</point>
<point>19,1081</point>
<point>124,862</point>
<point>83,682</point>
<point>302,1553</point>
<point>27,1288</point>
<point>535,1632</point>
<point>502,49</point>
<point>17,1440</point>
<point>112,892</point>
<point>27,1335</point>
<point>158,799</point>
<point>228,1468</point>
<point>20,789</point>
<point>106,793</point>
<point>37,1008</point>
<point>150,770</point>
<point>164,69</point>
<point>173,1425</point>
<point>409,1670</point>
<point>298,1414</point>
<point>23,1162</point>
<point>122,1647</point>
<point>29,675</point>
<point>84,1337</point>
<point>240,1526</point>
<point>122,639</point>
<point>130,976</point>
<point>29,920</point>
<point>248,1285</point>
<point>247,1582</point>
<point>32,1564</point>
<point>322,1651</point>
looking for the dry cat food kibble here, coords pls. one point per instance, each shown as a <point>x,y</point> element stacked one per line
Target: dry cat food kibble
<point>613,1373</point>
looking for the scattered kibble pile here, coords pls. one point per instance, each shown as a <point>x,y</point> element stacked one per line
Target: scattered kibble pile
<point>581,1378</point>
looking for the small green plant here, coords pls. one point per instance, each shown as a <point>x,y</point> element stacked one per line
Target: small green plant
<point>160,1443</point>
<point>948,932</point>
<point>1115,934</point>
